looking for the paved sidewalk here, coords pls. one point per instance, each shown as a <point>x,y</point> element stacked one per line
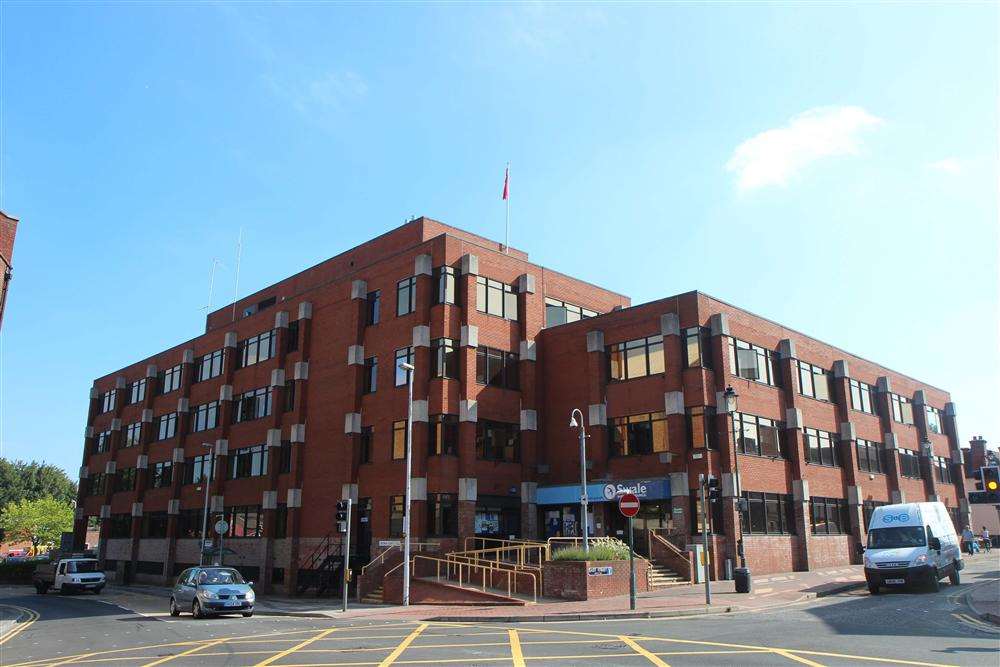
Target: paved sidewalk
<point>769,592</point>
<point>985,601</point>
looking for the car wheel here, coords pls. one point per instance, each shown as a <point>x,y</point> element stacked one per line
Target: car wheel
<point>196,610</point>
<point>247,614</point>
<point>874,589</point>
<point>955,578</point>
<point>174,611</point>
<point>935,581</point>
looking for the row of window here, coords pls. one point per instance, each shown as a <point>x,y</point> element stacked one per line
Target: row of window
<point>495,441</point>
<point>636,358</point>
<point>250,405</point>
<point>243,520</point>
<point>244,462</point>
<point>250,351</point>
<point>442,515</point>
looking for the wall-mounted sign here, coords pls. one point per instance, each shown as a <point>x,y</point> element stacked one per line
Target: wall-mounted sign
<point>602,571</point>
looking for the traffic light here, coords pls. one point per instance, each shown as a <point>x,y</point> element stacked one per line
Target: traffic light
<point>342,510</point>
<point>714,489</point>
<point>991,478</point>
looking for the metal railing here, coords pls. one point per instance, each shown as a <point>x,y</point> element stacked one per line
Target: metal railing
<point>524,554</point>
<point>378,560</point>
<point>465,572</point>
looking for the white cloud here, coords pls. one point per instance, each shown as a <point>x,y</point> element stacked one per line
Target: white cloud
<point>949,165</point>
<point>774,156</point>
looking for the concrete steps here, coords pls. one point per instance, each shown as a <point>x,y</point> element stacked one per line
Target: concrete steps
<point>662,577</point>
<point>375,597</point>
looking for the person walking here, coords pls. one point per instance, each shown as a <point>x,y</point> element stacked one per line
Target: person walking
<point>969,539</point>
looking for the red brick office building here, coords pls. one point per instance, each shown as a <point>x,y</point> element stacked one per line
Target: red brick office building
<point>8,230</point>
<point>294,392</point>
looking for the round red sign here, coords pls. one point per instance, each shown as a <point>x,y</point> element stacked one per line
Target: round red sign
<point>628,504</point>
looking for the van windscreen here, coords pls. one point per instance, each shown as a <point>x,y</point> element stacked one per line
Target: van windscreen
<point>896,537</point>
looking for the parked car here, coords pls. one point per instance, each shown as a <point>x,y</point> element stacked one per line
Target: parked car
<point>66,573</point>
<point>911,543</point>
<point>207,591</point>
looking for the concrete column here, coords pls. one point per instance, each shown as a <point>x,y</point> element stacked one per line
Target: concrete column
<point>803,525</point>
<point>856,520</point>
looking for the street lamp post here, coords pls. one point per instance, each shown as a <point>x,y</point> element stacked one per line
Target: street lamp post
<point>732,405</point>
<point>409,462</point>
<point>204,518</point>
<point>583,474</point>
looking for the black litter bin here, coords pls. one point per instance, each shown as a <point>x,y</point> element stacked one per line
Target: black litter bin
<point>744,584</point>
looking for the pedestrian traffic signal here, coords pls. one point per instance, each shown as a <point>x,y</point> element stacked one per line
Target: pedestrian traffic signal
<point>991,478</point>
<point>342,510</point>
<point>714,489</point>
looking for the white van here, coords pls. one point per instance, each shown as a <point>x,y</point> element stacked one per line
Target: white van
<point>911,543</point>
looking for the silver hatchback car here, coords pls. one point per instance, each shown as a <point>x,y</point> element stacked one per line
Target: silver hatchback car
<point>207,591</point>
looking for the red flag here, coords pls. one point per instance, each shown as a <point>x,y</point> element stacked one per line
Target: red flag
<point>506,184</point>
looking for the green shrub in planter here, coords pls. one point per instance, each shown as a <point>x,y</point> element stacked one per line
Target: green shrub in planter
<point>17,572</point>
<point>600,551</point>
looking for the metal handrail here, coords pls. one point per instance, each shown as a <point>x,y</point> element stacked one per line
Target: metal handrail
<point>468,560</point>
<point>486,540</point>
<point>521,553</point>
<point>381,557</point>
<point>667,543</point>
<point>485,566</point>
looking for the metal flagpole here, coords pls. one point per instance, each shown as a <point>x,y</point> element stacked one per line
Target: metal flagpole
<point>506,245</point>
<point>236,289</point>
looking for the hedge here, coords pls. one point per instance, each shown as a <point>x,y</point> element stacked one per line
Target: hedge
<point>18,572</point>
<point>599,551</point>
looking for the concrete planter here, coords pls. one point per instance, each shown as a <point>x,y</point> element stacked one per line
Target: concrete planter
<point>588,580</point>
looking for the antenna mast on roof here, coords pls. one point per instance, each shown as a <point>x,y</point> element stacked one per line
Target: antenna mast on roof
<point>236,288</point>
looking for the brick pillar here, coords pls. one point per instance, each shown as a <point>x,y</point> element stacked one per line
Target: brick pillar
<point>919,402</point>
<point>958,464</point>
<point>596,411</point>
<point>883,408</point>
<point>173,527</point>
<point>680,493</point>
<point>803,526</point>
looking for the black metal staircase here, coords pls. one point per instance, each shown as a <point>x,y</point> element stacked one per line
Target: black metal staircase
<point>322,568</point>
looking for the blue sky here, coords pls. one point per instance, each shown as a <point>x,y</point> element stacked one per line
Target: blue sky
<point>832,168</point>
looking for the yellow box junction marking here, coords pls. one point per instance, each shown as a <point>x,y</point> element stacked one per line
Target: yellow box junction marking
<point>391,658</point>
<point>293,649</point>
<point>641,651</point>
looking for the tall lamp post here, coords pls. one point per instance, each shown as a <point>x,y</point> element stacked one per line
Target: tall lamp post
<point>573,423</point>
<point>409,462</point>
<point>204,517</point>
<point>743,581</point>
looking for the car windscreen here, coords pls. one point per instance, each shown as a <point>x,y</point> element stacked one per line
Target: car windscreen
<point>896,537</point>
<point>78,566</point>
<point>215,577</point>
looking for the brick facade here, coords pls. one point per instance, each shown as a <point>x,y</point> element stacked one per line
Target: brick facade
<point>315,431</point>
<point>8,230</point>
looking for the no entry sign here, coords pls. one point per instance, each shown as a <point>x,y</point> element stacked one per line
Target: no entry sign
<point>628,504</point>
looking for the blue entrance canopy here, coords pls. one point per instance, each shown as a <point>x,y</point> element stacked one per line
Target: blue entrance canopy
<point>602,492</point>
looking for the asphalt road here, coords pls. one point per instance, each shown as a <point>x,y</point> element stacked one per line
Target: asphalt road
<point>904,628</point>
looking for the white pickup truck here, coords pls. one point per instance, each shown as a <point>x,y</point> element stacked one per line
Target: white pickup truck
<point>68,573</point>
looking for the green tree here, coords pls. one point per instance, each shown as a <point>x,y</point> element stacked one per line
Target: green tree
<point>32,481</point>
<point>40,522</point>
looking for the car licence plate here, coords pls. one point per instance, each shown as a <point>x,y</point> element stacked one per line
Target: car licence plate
<point>233,603</point>
<point>895,581</point>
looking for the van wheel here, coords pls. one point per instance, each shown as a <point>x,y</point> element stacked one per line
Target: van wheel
<point>935,581</point>
<point>955,578</point>
<point>874,589</point>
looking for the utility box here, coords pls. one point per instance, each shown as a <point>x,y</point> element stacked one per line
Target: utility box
<point>697,554</point>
